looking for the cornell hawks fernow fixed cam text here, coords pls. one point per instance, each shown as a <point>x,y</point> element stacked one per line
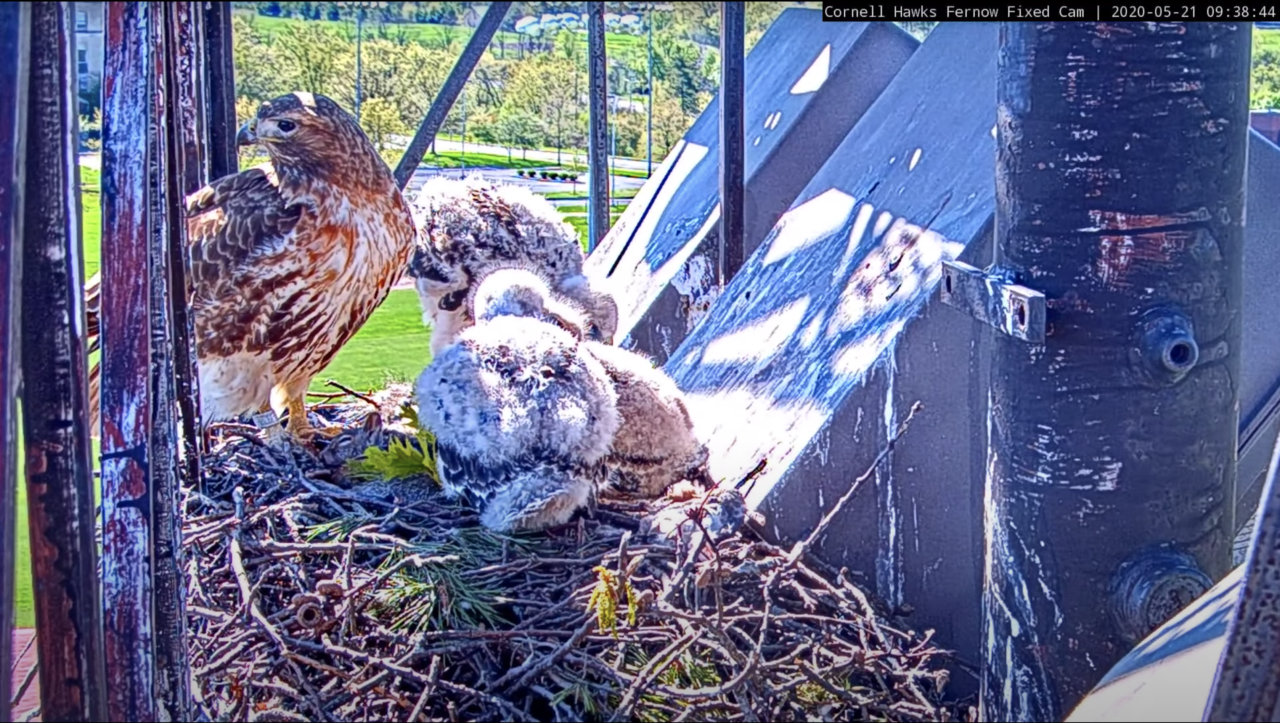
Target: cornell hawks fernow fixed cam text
<point>856,11</point>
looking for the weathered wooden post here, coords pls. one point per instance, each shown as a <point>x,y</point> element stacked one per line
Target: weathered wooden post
<point>64,550</point>
<point>220,105</point>
<point>598,206</point>
<point>189,51</point>
<point>15,26</point>
<point>733,144</point>
<point>450,91</point>
<point>1112,453</point>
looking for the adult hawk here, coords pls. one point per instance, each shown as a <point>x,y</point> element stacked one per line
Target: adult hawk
<point>289,259</point>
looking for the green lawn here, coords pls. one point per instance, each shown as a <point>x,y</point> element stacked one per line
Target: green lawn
<point>625,193</point>
<point>581,210</point>
<point>23,593</point>
<point>392,346</point>
<point>92,219</point>
<point>427,34</point>
<point>455,159</point>
<point>629,173</point>
<point>579,224</point>
<point>1265,40</point>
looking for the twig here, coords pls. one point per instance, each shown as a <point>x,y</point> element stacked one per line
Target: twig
<point>348,390</point>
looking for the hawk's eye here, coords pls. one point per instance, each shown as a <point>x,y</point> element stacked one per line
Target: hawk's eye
<point>287,126</point>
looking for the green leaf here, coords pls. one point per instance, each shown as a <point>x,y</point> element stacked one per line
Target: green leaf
<point>400,459</point>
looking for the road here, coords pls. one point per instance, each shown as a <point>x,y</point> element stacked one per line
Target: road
<point>537,185</point>
<point>548,156</point>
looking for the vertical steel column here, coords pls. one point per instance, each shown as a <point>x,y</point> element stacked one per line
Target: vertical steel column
<point>733,147</point>
<point>1112,452</point>
<point>449,92</point>
<point>126,364</point>
<point>1247,687</point>
<point>598,130</point>
<point>165,122</point>
<point>220,101</point>
<point>64,550</point>
<point>15,26</point>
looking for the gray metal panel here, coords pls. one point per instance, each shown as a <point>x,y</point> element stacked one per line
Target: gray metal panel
<point>823,341</point>
<point>765,376</point>
<point>807,83</point>
<point>1260,345</point>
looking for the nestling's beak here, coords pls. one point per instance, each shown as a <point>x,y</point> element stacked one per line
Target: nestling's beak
<point>245,136</point>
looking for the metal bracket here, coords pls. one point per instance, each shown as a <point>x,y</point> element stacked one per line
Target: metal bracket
<point>1011,308</point>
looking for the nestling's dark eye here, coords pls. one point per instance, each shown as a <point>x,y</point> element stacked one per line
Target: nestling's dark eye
<point>287,126</point>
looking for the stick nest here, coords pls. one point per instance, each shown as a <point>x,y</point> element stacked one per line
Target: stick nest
<point>314,597</point>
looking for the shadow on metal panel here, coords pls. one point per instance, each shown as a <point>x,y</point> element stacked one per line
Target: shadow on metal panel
<point>807,83</point>
<point>810,358</point>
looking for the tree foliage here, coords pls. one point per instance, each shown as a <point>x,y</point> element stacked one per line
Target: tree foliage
<point>1265,89</point>
<point>534,98</point>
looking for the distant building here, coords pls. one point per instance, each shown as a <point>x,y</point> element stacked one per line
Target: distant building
<point>89,48</point>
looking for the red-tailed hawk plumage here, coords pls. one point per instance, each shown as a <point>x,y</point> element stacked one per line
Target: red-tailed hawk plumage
<point>289,259</point>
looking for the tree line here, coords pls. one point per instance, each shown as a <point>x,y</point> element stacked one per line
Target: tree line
<point>529,95</point>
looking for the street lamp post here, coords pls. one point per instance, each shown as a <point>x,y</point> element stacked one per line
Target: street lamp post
<point>359,35</point>
<point>649,134</point>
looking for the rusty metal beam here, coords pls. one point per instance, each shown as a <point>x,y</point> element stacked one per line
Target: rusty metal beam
<point>15,26</point>
<point>220,99</point>
<point>189,142</point>
<point>1112,450</point>
<point>126,363</point>
<point>188,54</point>
<point>733,145</point>
<point>598,131</point>
<point>173,695</point>
<point>450,91</point>
<point>1246,686</point>
<point>64,550</point>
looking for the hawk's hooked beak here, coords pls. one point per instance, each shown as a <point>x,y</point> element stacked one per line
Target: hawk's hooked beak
<point>245,136</point>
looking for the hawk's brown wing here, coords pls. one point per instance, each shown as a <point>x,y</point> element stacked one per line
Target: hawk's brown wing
<point>235,226</point>
<point>232,224</point>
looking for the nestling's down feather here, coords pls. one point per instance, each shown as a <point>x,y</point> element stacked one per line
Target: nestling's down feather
<point>656,444</point>
<point>523,417</point>
<point>468,228</point>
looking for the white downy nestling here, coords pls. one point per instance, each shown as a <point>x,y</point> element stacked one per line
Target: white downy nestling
<point>523,416</point>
